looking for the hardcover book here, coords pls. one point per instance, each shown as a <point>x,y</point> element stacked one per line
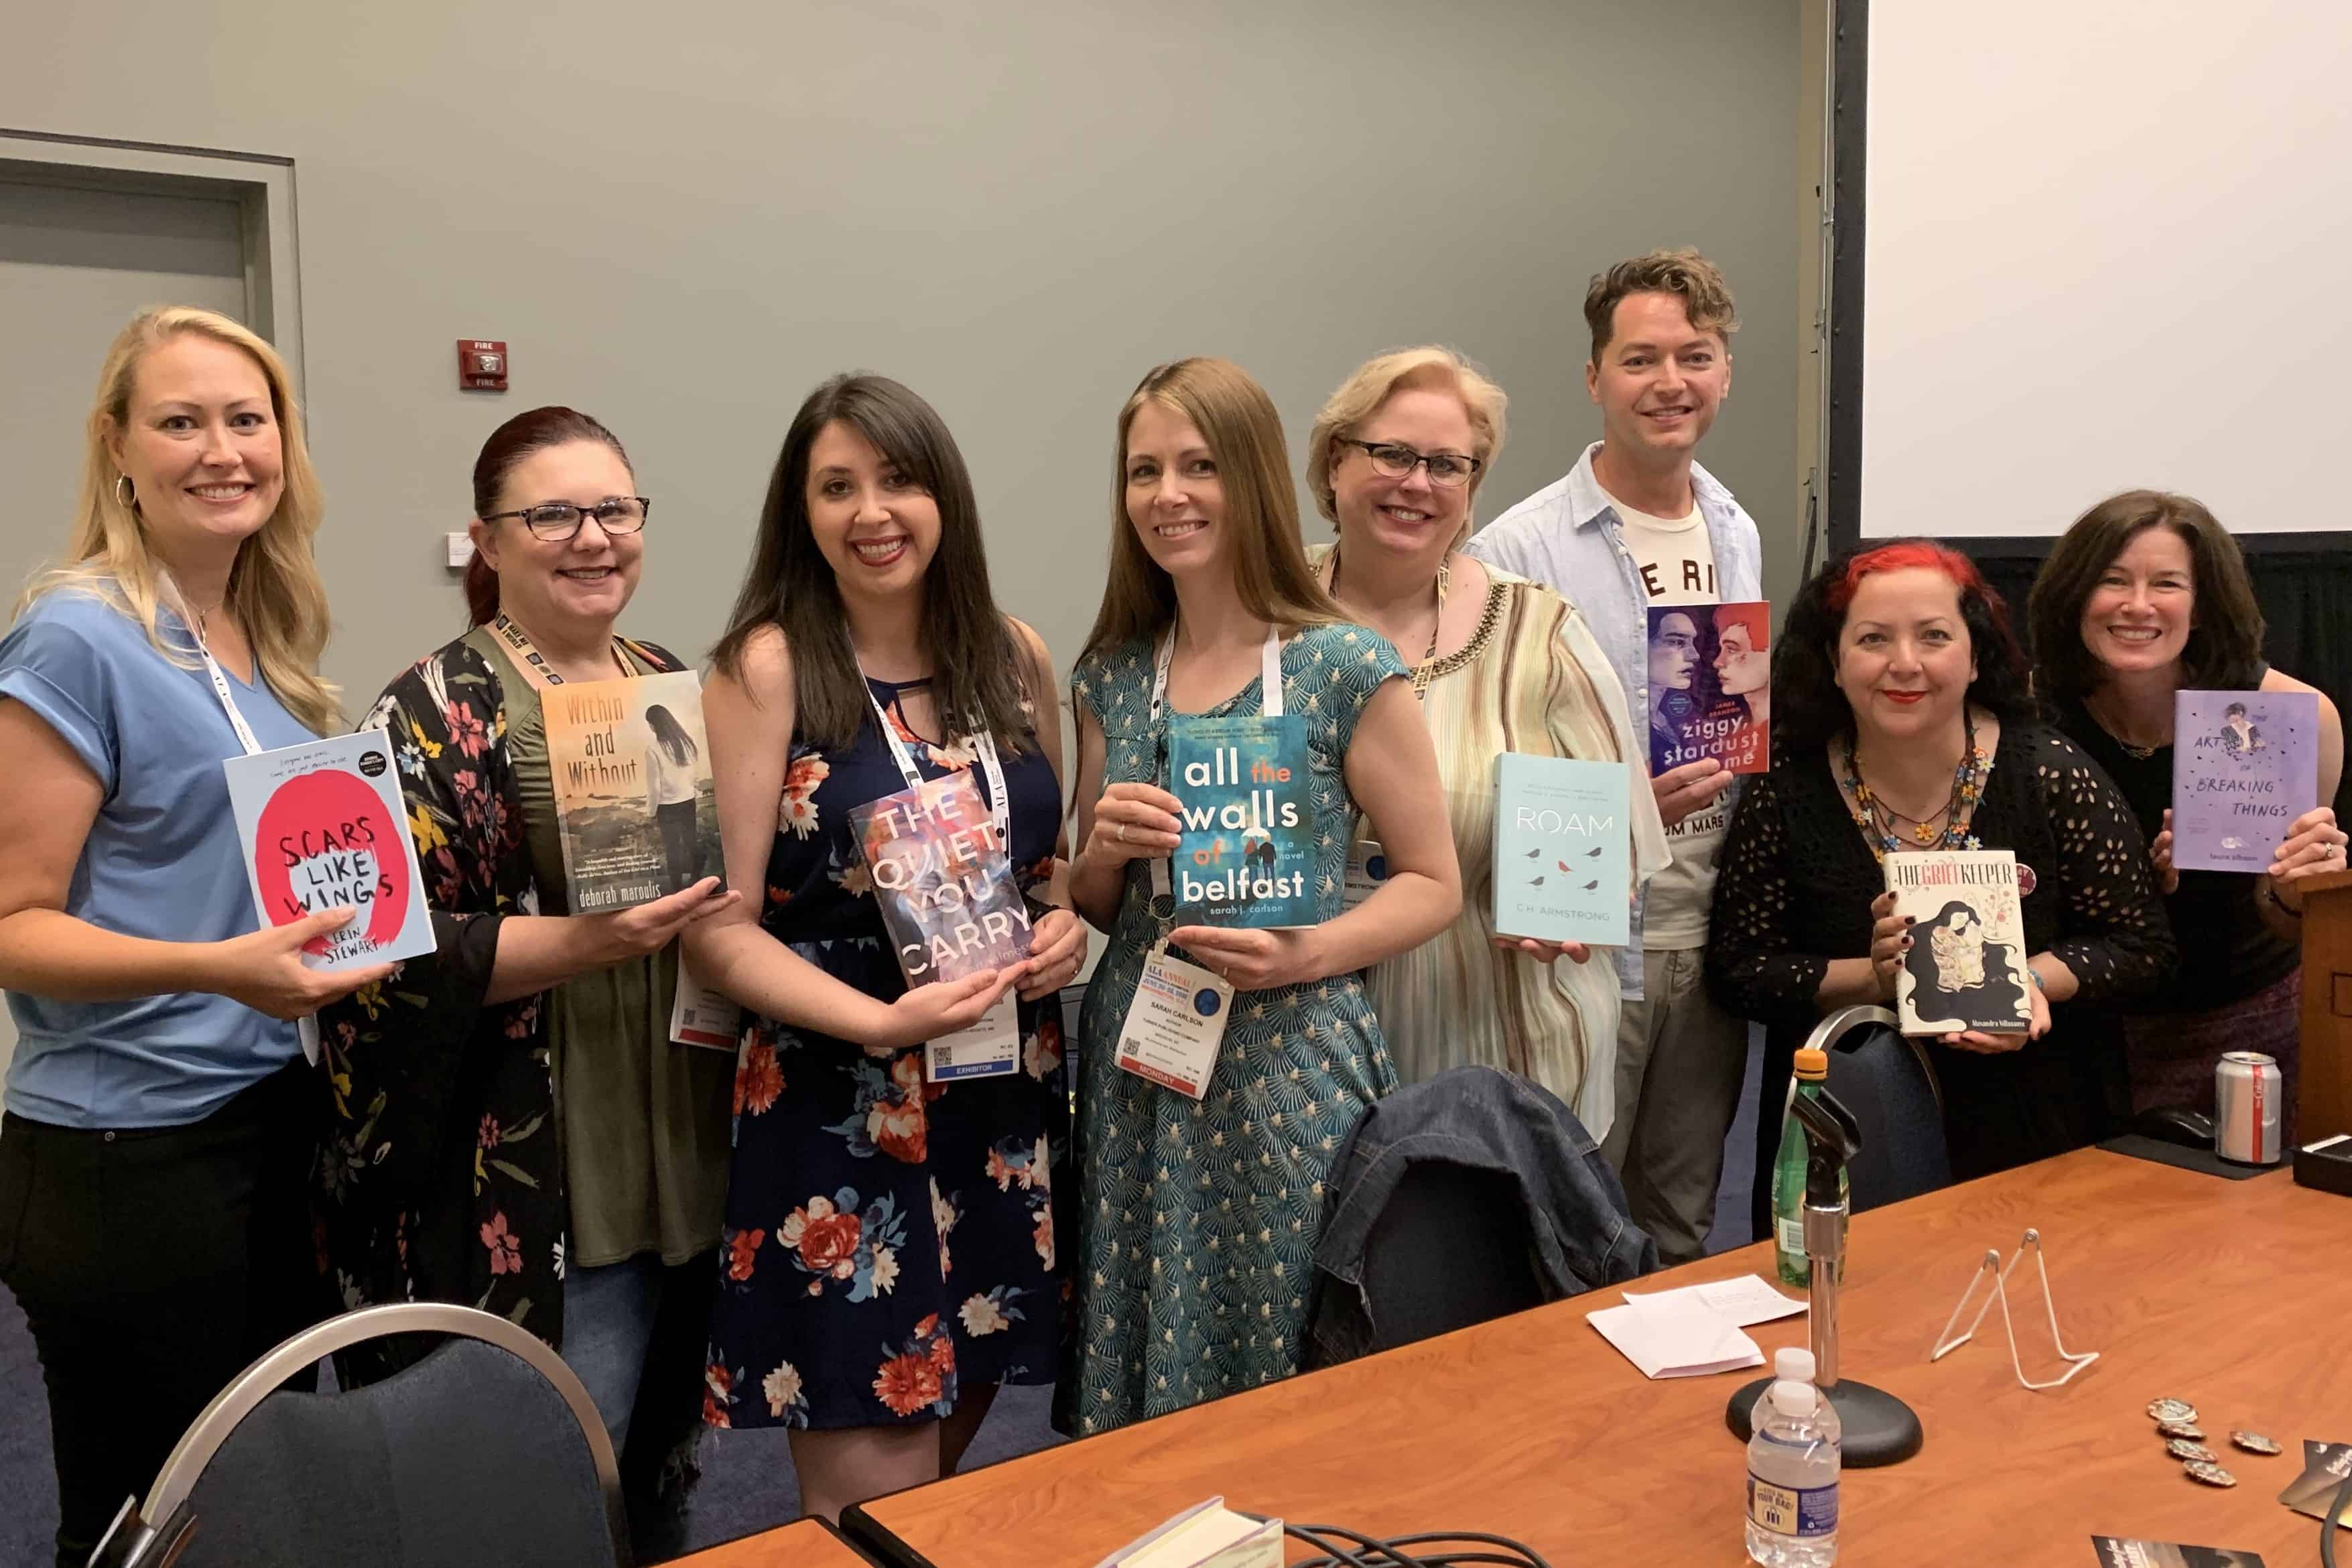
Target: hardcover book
<point>1711,685</point>
<point>322,827</point>
<point>943,880</point>
<point>1248,853</point>
<point>1563,848</point>
<point>1965,969</point>
<point>2244,765</point>
<point>634,808</point>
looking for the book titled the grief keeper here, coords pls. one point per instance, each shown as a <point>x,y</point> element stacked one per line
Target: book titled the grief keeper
<point>1563,848</point>
<point>1247,857</point>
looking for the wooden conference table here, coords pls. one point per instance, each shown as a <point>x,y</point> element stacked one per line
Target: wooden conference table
<point>811,1543</point>
<point>2232,1295</point>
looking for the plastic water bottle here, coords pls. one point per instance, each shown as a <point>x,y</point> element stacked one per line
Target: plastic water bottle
<point>1811,1069</point>
<point>1792,1470</point>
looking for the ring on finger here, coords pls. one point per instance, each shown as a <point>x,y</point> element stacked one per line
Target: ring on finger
<point>1122,833</point>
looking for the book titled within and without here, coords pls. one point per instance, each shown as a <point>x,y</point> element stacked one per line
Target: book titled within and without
<point>2245,764</point>
<point>943,880</point>
<point>1247,857</point>
<point>634,808</point>
<point>1563,843</point>
<point>1966,967</point>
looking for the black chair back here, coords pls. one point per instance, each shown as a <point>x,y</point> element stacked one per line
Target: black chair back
<point>1886,1081</point>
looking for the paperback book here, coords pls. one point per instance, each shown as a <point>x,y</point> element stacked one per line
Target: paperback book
<point>2245,764</point>
<point>2122,1552</point>
<point>634,808</point>
<point>1563,845</point>
<point>1248,853</point>
<point>1209,1535</point>
<point>322,827</point>
<point>1710,681</point>
<point>943,880</point>
<point>1966,968</point>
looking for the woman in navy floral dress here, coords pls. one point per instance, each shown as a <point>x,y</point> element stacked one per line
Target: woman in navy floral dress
<point>888,1258</point>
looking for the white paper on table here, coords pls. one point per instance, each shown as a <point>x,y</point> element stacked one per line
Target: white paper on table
<point>1745,1301</point>
<point>1673,1334</point>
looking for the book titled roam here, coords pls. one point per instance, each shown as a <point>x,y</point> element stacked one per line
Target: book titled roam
<point>1247,857</point>
<point>943,880</point>
<point>1563,845</point>
<point>635,809</point>
<point>1966,968</point>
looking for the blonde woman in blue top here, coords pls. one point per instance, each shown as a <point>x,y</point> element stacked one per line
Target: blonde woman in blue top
<point>1197,1219</point>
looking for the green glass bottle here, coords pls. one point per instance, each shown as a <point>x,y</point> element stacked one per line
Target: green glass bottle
<point>1811,1069</point>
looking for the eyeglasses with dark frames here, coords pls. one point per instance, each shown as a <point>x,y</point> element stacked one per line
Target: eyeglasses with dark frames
<point>557,521</point>
<point>1396,461</point>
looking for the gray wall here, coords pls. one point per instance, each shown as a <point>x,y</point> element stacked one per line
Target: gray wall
<point>683,217</point>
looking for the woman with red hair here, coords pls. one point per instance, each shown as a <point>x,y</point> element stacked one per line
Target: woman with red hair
<point>1905,722</point>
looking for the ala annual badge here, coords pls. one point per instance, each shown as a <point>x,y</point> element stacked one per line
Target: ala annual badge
<point>1175,1025</point>
<point>1368,872</point>
<point>987,1049</point>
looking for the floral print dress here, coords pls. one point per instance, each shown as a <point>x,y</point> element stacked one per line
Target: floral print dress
<point>886,1240</point>
<point>1196,1221</point>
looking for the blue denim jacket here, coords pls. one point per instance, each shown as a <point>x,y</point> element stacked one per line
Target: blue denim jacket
<point>1567,537</point>
<point>1486,1120</point>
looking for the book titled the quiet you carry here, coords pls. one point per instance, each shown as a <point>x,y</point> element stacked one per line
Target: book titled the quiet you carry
<point>1248,853</point>
<point>1966,967</point>
<point>943,880</point>
<point>635,809</point>
<point>2245,764</point>
<point>1563,842</point>
<point>322,828</point>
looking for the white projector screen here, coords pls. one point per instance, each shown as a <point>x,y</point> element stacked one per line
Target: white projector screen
<point>2107,244</point>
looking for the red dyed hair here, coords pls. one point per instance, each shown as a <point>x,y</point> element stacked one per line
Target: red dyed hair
<point>1918,554</point>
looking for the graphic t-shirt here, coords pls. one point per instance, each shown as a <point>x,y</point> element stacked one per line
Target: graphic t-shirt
<point>1677,561</point>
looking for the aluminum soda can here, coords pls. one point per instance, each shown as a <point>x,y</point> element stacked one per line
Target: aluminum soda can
<point>2247,1102</point>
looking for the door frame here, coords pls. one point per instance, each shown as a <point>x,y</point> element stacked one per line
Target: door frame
<point>261,186</point>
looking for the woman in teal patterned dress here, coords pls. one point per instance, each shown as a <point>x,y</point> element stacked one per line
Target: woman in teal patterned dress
<point>1197,1219</point>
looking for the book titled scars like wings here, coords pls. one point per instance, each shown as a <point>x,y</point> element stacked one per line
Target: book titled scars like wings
<point>1248,853</point>
<point>2245,764</point>
<point>634,808</point>
<point>943,880</point>
<point>1966,968</point>
<point>1563,843</point>
<point>322,826</point>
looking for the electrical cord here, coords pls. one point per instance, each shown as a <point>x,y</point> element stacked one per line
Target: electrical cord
<point>1369,1551</point>
<point>2328,1526</point>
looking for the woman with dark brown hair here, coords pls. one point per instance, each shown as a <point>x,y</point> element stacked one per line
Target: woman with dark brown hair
<point>512,1127</point>
<point>891,1255</point>
<point>2145,596</point>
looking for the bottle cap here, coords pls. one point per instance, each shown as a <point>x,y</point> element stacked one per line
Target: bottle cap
<point>1794,1362</point>
<point>1813,1064</point>
<point>1793,1394</point>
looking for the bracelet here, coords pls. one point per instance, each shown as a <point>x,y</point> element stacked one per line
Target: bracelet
<point>2035,975</point>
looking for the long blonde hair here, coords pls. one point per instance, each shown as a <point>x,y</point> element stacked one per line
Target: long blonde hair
<point>273,587</point>
<point>1238,420</point>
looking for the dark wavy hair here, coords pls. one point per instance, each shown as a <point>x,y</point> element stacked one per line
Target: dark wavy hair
<point>2224,651</point>
<point>976,665</point>
<point>533,431</point>
<point>1810,710</point>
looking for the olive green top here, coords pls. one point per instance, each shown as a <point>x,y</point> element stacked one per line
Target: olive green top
<point>645,1124</point>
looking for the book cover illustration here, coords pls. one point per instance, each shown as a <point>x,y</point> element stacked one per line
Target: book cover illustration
<point>1710,681</point>
<point>635,811</point>
<point>2325,1467</point>
<point>1248,853</point>
<point>2245,764</point>
<point>943,880</point>
<point>1563,849</point>
<point>1965,969</point>
<point>322,827</point>
<point>2122,1552</point>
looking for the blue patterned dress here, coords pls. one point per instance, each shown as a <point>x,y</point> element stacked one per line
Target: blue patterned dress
<point>886,1240</point>
<point>1196,1223</point>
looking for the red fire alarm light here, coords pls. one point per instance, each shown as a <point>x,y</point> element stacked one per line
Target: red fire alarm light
<point>481,365</point>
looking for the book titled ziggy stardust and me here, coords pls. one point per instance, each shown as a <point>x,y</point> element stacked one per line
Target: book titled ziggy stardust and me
<point>1563,849</point>
<point>943,880</point>
<point>1247,857</point>
<point>2245,764</point>
<point>1966,967</point>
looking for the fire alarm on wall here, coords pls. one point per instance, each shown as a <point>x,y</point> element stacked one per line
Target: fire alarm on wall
<point>481,365</point>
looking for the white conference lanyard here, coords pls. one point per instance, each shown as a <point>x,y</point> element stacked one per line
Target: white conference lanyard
<point>306,1027</point>
<point>1368,863</point>
<point>1176,1024</point>
<point>991,1047</point>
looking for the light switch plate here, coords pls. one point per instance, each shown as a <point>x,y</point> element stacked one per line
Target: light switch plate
<point>461,549</point>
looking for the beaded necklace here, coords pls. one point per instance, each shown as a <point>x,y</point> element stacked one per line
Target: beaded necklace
<point>1959,810</point>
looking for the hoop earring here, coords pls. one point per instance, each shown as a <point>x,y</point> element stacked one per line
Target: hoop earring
<point>124,496</point>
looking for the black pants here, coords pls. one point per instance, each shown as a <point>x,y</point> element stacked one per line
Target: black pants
<point>153,1266</point>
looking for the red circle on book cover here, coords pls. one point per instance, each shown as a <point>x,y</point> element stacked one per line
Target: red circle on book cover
<point>2026,881</point>
<point>328,813</point>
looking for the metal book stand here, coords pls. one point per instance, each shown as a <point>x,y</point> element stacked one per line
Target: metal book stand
<point>1999,1273</point>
